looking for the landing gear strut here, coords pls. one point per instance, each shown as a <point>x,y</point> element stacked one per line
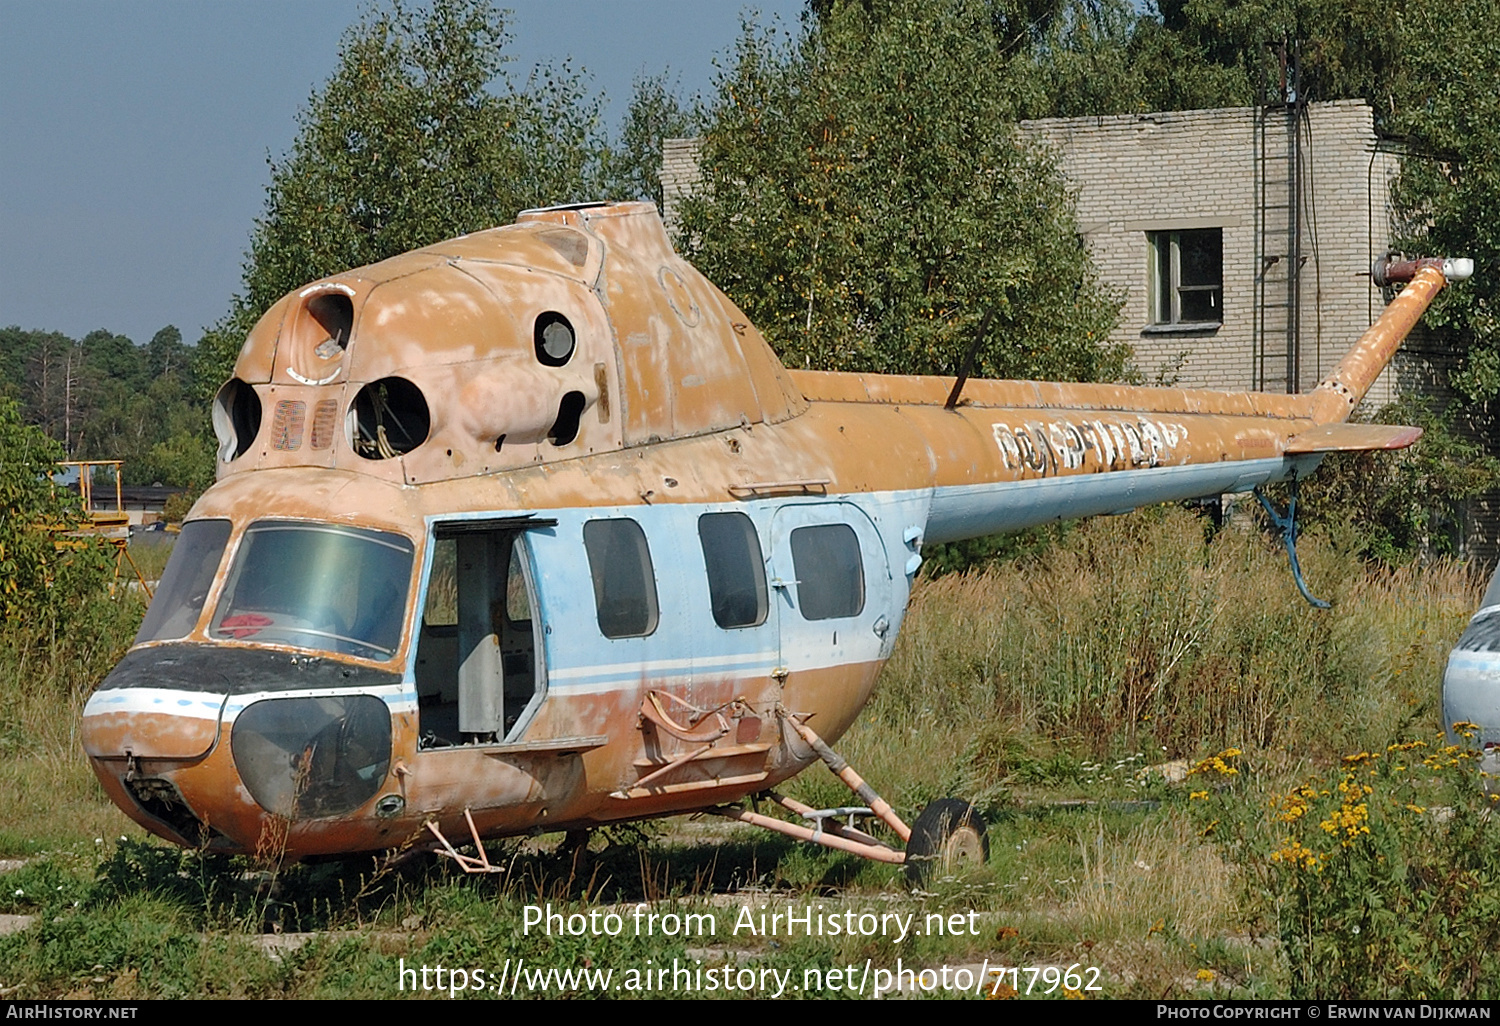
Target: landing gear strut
<point>948,837</point>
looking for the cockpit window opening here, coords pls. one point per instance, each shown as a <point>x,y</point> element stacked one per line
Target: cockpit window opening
<point>334,312</point>
<point>186,582</point>
<point>442,585</point>
<point>736,570</point>
<point>324,587</point>
<point>517,601</point>
<point>554,339</point>
<point>236,417</point>
<point>388,418</point>
<point>624,580</point>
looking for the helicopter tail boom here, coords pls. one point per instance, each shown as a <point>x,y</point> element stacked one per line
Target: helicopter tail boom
<point>1340,392</point>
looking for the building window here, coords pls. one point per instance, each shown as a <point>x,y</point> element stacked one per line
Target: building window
<point>1187,278</point>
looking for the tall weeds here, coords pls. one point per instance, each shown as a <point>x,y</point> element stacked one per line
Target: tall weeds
<point>1144,634</point>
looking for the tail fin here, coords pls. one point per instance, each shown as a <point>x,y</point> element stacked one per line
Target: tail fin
<point>1337,395</point>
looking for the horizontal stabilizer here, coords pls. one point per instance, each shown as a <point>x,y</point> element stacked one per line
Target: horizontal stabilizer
<point>1352,438</point>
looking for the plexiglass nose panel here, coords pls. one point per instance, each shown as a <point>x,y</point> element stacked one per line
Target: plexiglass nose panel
<point>307,758</point>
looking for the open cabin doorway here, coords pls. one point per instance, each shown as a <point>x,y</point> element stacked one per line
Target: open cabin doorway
<point>480,676</point>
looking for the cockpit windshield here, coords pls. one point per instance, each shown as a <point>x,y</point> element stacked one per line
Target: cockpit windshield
<point>319,586</point>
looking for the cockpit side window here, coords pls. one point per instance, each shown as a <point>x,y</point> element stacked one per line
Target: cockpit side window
<point>185,583</point>
<point>320,586</point>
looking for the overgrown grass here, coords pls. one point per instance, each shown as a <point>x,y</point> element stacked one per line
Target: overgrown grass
<point>1044,691</point>
<point>46,676</point>
<point>1143,635</point>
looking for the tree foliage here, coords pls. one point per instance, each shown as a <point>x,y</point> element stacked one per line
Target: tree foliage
<point>420,135</point>
<point>39,581</point>
<point>407,144</point>
<point>1449,189</point>
<point>103,397</point>
<point>868,199</point>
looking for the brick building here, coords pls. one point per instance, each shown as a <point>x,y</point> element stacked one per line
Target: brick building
<point>1240,240</point>
<point>1242,237</point>
<point>1241,247</point>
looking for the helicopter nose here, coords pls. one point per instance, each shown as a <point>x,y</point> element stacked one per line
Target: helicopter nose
<point>139,741</point>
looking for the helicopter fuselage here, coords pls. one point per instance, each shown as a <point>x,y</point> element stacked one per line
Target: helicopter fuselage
<point>522,580</point>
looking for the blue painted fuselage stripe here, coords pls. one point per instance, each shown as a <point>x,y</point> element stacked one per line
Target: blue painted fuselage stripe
<point>687,645</point>
<point>972,511</point>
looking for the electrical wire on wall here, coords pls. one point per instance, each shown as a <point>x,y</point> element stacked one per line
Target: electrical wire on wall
<point>1309,194</point>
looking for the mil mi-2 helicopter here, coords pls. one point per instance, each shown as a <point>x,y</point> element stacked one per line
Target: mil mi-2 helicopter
<point>531,531</point>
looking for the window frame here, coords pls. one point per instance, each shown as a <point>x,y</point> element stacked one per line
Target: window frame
<point>1165,287</point>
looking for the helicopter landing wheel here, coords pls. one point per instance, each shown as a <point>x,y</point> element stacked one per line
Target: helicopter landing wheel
<point>948,839</point>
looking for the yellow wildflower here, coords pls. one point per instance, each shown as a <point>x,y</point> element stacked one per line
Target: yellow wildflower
<point>1217,763</point>
<point>1296,854</point>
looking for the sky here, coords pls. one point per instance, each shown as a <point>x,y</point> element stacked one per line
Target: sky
<point>134,134</point>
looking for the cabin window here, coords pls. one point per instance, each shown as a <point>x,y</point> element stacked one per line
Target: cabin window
<point>320,586</point>
<point>442,585</point>
<point>830,577</point>
<point>1187,278</point>
<point>624,582</point>
<point>184,584</point>
<point>736,571</point>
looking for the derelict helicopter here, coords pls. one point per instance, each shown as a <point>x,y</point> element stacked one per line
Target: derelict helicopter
<point>530,530</point>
